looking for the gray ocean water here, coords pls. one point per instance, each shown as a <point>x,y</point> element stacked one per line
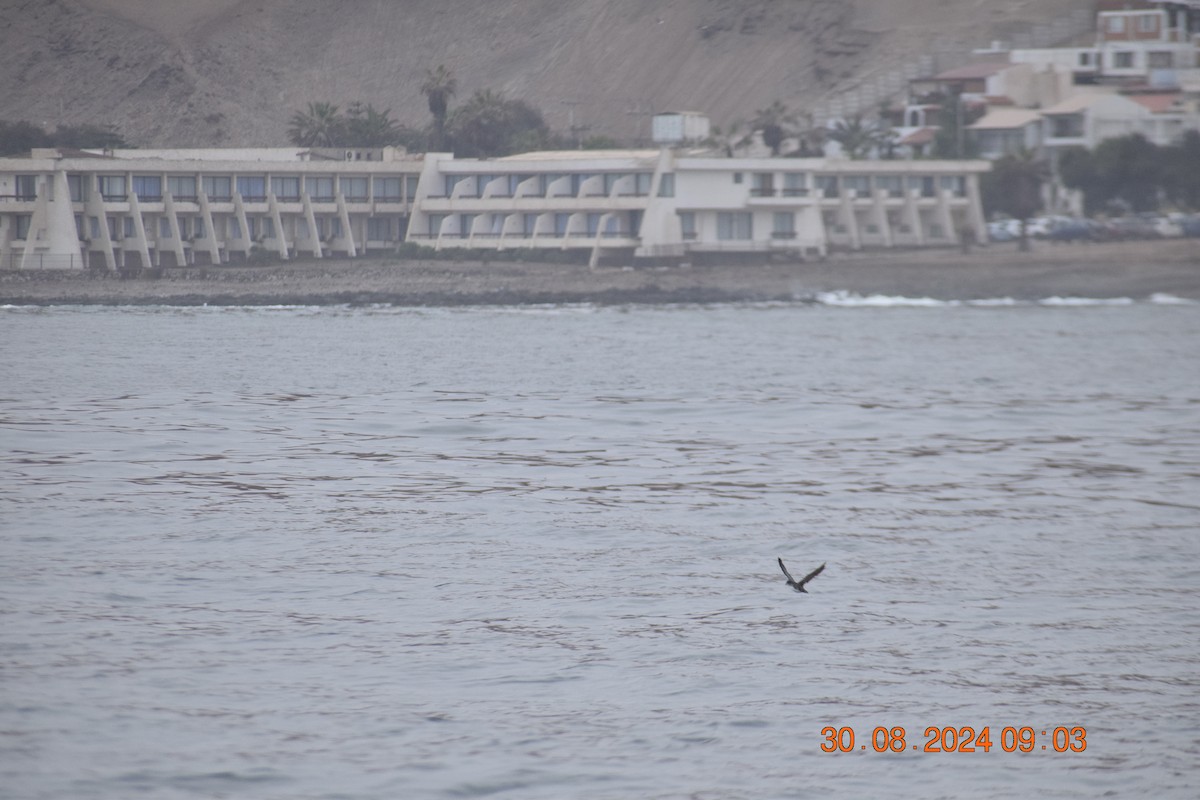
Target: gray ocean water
<point>530,552</point>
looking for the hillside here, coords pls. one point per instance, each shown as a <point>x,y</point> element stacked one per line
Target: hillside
<point>230,72</point>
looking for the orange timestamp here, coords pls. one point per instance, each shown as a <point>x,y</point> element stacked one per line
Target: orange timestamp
<point>950,739</point>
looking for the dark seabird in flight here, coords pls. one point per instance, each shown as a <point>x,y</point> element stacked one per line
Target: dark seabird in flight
<point>799,585</point>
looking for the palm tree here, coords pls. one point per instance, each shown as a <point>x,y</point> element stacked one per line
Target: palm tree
<point>439,86</point>
<point>858,137</point>
<point>775,123</point>
<point>319,126</point>
<point>1016,181</point>
<point>366,127</point>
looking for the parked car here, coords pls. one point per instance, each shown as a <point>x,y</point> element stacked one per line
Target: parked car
<point>1160,226</point>
<point>1000,232</point>
<point>1189,225</point>
<point>1067,229</point>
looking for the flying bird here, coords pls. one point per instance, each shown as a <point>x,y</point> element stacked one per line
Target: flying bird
<point>799,585</point>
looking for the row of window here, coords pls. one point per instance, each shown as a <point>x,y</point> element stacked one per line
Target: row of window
<point>194,227</point>
<point>594,224</point>
<point>252,188</point>
<point>795,184</point>
<point>606,184</point>
<point>1146,23</point>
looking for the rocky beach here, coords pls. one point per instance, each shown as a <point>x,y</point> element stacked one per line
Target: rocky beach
<point>1133,270</point>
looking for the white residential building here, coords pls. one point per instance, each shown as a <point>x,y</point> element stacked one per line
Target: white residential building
<point>161,208</point>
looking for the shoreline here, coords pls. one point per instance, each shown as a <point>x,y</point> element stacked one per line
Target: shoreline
<point>1134,270</point>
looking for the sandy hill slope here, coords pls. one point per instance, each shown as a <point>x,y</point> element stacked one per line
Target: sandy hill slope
<point>225,72</point>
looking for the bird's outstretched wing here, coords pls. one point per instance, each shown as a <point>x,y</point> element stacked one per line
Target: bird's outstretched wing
<point>810,575</point>
<point>791,580</point>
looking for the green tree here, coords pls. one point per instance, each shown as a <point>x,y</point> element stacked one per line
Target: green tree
<point>490,125</point>
<point>1077,170</point>
<point>859,137</point>
<point>951,140</point>
<point>1127,172</point>
<point>319,126</point>
<point>18,138</point>
<point>1014,186</point>
<point>364,126</point>
<point>775,123</point>
<point>87,135</point>
<point>439,86</point>
<point>1180,170</point>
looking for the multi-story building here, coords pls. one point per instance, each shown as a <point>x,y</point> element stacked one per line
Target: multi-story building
<point>143,208</point>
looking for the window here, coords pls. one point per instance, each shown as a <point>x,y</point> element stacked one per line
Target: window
<point>577,182</point>
<point>735,225</point>
<point>737,177</point>
<point>320,190</point>
<point>94,227</point>
<point>112,187</point>
<point>1116,25</point>
<point>217,187</point>
<point>182,187</point>
<point>465,224</point>
<point>859,184</point>
<point>610,182</point>
<point>129,229</point>
<point>1123,59</point>
<point>268,228</point>
<point>785,225</point>
<point>379,229</point>
<point>335,228</point>
<point>449,182</point>
<point>78,184</point>
<point>389,190</point>
<point>252,228</point>
<point>922,184</point>
<point>1066,125</point>
<point>79,226</point>
<point>235,228</point>
<point>827,186</point>
<point>1147,23</point>
<point>198,227</point>
<point>23,222</point>
<point>26,187</point>
<point>795,184</point>
<point>641,183</point>
<point>593,223</point>
<point>955,184</point>
<point>302,229</point>
<point>286,187</point>
<point>354,189</point>
<point>1085,59</point>
<point>410,186</point>
<point>1161,60</point>
<point>687,224</point>
<point>252,188</point>
<point>435,224</point>
<point>560,224</point>
<point>529,224</point>
<point>164,228</point>
<point>892,184</point>
<point>762,184</point>
<point>666,185</point>
<point>183,228</point>
<point>147,187</point>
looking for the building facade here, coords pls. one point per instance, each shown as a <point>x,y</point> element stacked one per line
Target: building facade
<point>163,208</point>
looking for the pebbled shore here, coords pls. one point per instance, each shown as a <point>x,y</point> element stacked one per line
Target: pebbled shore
<point>1135,270</point>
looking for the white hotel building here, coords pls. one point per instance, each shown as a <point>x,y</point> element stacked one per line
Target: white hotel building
<point>164,208</point>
